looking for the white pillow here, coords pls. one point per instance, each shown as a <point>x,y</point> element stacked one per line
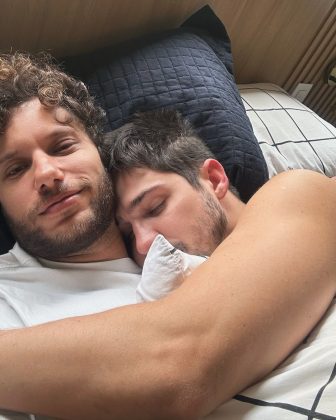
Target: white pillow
<point>291,135</point>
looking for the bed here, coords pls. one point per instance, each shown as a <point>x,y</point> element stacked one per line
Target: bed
<point>256,131</point>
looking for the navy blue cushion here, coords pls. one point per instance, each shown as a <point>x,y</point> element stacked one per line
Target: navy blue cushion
<point>189,69</point>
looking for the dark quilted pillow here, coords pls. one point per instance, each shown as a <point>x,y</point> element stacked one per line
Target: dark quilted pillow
<point>7,240</point>
<point>188,69</point>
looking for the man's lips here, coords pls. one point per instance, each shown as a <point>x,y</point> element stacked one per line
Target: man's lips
<point>59,202</point>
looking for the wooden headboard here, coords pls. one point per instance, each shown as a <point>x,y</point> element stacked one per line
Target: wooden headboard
<point>279,41</point>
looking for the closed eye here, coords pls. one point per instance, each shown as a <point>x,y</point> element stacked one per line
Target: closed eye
<point>155,211</point>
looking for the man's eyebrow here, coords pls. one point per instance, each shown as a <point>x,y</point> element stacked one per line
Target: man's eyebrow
<point>61,130</point>
<point>137,200</point>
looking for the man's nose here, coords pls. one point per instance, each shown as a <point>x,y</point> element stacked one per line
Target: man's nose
<point>144,237</point>
<point>46,171</point>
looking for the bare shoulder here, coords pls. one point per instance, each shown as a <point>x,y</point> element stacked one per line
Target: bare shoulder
<point>296,191</point>
<point>300,202</point>
<point>302,178</point>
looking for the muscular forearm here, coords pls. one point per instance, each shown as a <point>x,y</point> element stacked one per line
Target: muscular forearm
<point>260,293</point>
<point>92,367</point>
<point>113,365</point>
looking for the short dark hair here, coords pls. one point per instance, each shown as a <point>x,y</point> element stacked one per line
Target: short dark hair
<point>24,77</point>
<point>160,140</point>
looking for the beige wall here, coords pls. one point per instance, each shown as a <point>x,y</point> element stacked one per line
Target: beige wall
<point>280,41</point>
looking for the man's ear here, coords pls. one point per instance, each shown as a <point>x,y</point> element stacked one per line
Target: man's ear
<point>213,172</point>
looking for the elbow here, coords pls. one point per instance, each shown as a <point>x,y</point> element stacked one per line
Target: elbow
<point>187,403</point>
<point>184,402</point>
<point>186,384</point>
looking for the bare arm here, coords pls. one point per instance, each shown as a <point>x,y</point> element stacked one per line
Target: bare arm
<point>229,324</point>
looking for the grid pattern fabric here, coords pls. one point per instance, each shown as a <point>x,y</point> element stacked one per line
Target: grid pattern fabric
<point>291,135</point>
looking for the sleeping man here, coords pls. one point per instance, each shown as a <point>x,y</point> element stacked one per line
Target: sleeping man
<point>168,183</point>
<point>229,324</point>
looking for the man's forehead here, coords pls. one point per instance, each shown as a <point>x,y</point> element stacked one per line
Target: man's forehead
<point>32,117</point>
<point>141,176</point>
<point>33,108</point>
<point>134,181</point>
<point>63,116</point>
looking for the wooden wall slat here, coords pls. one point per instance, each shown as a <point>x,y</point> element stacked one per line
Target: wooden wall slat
<point>326,103</point>
<point>319,91</point>
<point>312,68</point>
<point>280,41</point>
<point>304,64</point>
<point>331,114</point>
<point>320,61</point>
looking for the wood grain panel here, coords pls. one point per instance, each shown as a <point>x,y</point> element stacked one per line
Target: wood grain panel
<point>67,27</point>
<point>312,67</point>
<point>269,37</point>
<point>279,41</point>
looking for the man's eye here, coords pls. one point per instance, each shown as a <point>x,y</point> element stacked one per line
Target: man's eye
<point>156,210</point>
<point>15,170</point>
<point>64,147</point>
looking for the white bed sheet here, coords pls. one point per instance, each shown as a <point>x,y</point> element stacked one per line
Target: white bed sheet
<point>291,136</point>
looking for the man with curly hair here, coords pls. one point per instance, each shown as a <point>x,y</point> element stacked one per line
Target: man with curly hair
<point>29,89</point>
<point>260,293</point>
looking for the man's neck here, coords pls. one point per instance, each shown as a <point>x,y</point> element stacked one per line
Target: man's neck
<point>110,246</point>
<point>233,207</point>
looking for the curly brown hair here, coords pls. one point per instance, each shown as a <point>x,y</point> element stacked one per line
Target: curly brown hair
<point>23,77</point>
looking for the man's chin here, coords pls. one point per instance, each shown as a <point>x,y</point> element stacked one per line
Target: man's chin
<point>60,240</point>
<point>192,250</point>
<point>57,246</point>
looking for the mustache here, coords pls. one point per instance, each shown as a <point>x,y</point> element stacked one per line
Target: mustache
<point>57,189</point>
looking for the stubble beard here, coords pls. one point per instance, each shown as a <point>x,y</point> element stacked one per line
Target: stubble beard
<point>78,237</point>
<point>209,230</point>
